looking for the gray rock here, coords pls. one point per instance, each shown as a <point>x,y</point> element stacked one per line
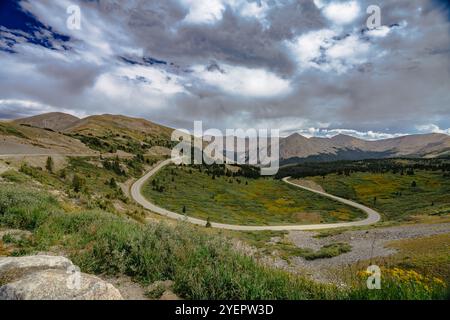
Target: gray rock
<point>54,284</point>
<point>12,268</point>
<point>44,277</point>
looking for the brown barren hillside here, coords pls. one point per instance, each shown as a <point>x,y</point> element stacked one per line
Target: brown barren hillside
<point>340,146</point>
<point>56,121</point>
<point>64,133</point>
<point>22,139</point>
<point>103,124</point>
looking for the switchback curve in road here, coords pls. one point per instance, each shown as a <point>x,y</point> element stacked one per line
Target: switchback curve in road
<point>372,216</point>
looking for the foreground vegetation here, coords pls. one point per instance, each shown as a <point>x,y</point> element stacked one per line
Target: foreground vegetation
<point>428,255</point>
<point>240,200</point>
<point>202,266</point>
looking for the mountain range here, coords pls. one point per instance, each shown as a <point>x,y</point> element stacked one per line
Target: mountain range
<point>297,148</point>
<point>64,133</point>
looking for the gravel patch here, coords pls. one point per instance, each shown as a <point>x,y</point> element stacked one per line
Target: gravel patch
<point>366,244</point>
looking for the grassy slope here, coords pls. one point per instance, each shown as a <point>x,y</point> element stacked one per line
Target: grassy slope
<point>109,133</point>
<point>9,129</point>
<point>203,266</point>
<point>430,255</point>
<point>261,201</point>
<point>431,196</point>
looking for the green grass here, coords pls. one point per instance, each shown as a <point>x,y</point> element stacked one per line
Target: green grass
<point>14,176</point>
<point>258,239</point>
<point>96,177</point>
<point>42,176</point>
<point>10,130</point>
<point>201,265</point>
<point>262,201</point>
<point>430,255</point>
<point>328,251</point>
<point>110,142</point>
<point>396,198</point>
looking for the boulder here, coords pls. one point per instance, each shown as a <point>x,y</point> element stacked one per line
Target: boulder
<point>12,268</point>
<point>54,284</point>
<point>43,277</point>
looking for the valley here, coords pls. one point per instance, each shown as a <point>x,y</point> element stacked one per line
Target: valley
<point>69,190</point>
<point>221,197</point>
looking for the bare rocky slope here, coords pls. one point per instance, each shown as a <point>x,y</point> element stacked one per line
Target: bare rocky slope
<point>59,133</point>
<point>16,139</point>
<point>342,147</point>
<point>56,121</point>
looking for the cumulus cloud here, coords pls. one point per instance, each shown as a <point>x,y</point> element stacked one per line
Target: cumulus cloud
<point>427,128</point>
<point>367,135</point>
<point>341,13</point>
<point>203,11</point>
<point>325,51</point>
<point>14,108</point>
<point>253,83</point>
<point>285,64</point>
<point>211,11</point>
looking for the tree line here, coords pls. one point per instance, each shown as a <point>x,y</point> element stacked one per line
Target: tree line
<point>395,166</point>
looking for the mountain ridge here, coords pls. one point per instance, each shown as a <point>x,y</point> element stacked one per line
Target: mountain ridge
<point>120,130</point>
<point>418,145</point>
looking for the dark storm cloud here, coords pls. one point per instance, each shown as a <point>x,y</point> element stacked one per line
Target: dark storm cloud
<point>282,63</point>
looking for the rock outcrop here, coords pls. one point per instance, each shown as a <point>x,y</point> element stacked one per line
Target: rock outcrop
<point>162,290</point>
<point>43,277</point>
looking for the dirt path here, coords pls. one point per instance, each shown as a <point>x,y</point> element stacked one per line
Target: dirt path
<point>372,215</point>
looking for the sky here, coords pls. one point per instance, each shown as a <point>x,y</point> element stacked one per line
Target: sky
<point>308,66</point>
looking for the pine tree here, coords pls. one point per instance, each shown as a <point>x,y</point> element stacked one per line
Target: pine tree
<point>112,183</point>
<point>49,164</point>
<point>77,183</point>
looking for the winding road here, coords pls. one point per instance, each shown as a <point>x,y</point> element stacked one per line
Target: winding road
<point>372,215</point>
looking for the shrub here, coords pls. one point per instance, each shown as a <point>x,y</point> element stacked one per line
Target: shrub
<point>77,183</point>
<point>14,176</point>
<point>24,209</point>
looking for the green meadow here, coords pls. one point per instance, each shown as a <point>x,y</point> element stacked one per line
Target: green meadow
<point>397,197</point>
<point>239,200</point>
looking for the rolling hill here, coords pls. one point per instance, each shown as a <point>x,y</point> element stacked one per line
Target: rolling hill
<point>56,121</point>
<point>63,133</point>
<point>16,139</point>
